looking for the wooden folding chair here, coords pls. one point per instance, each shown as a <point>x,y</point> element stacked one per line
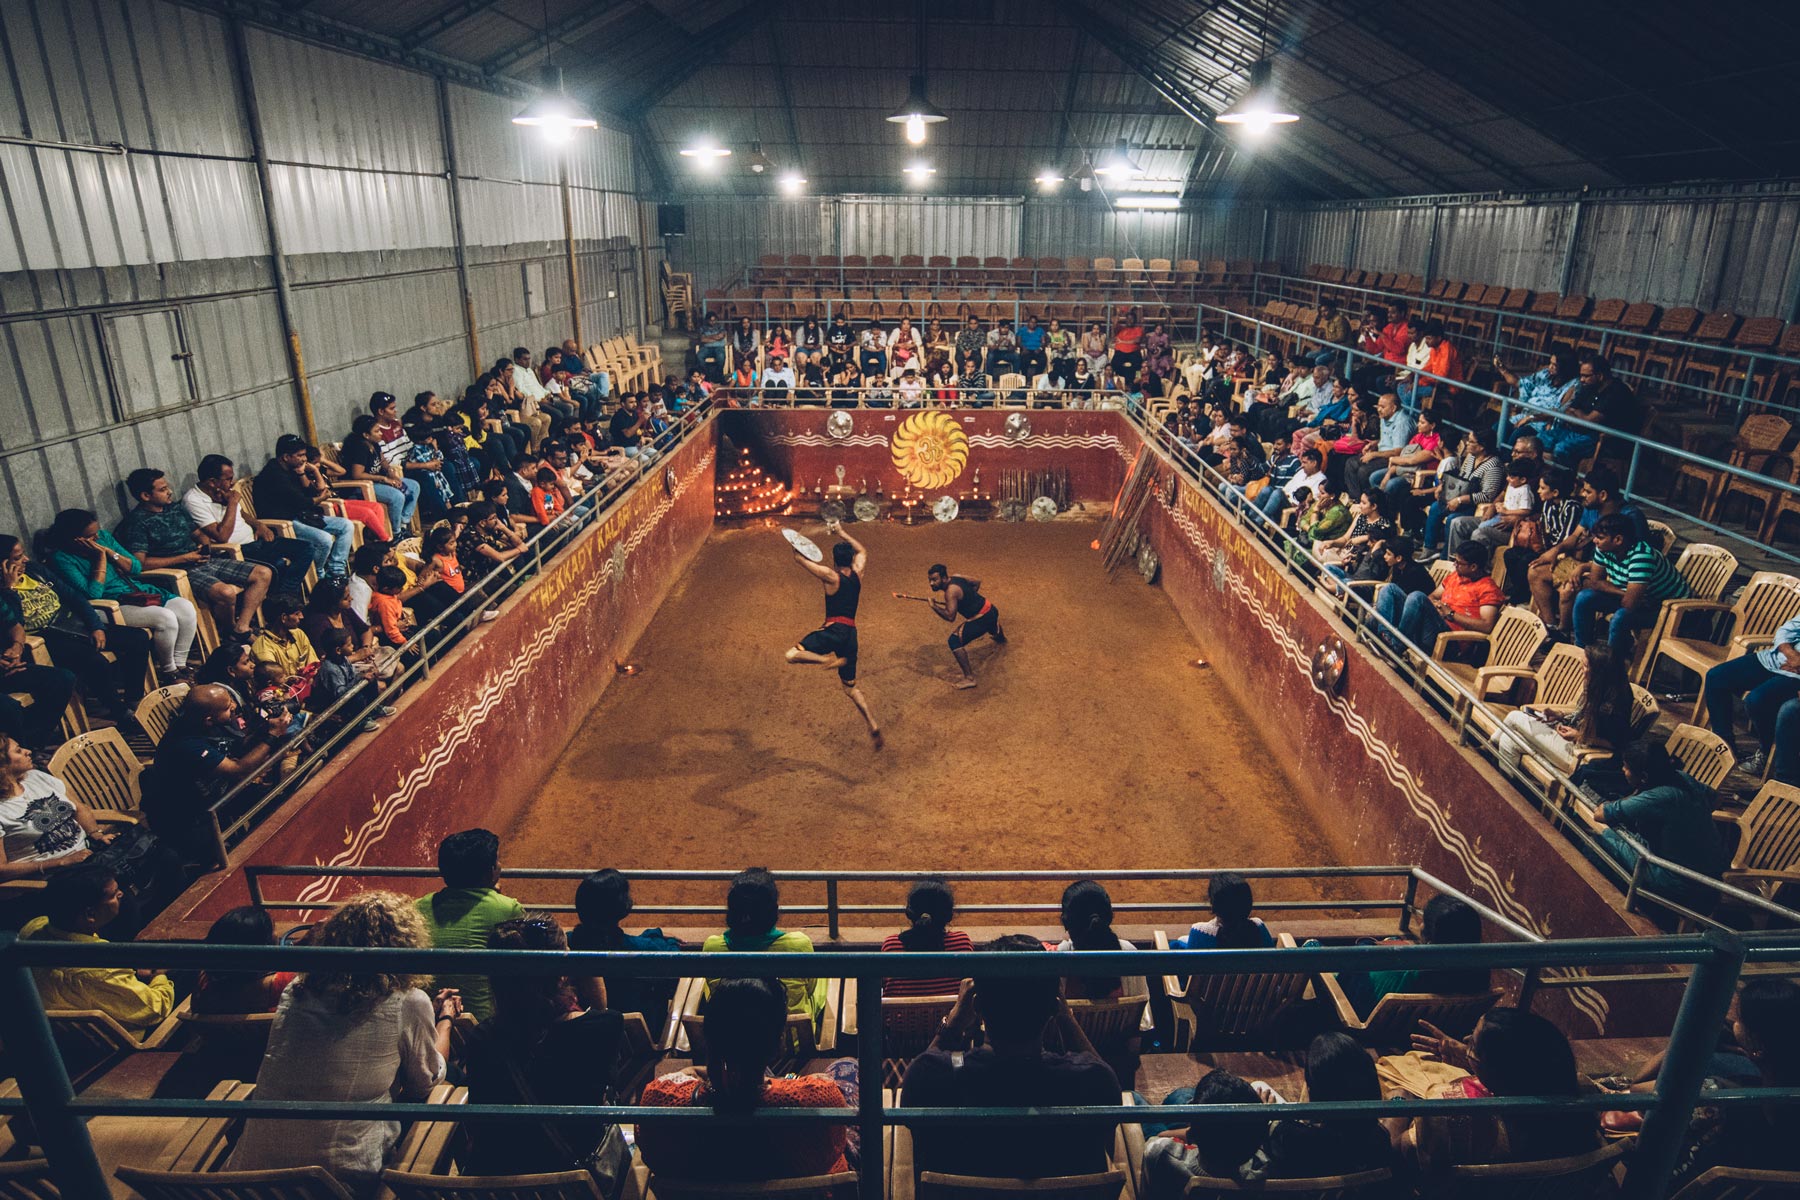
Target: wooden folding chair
<point>290,1183</point>
<point>1768,850</point>
<point>157,709</point>
<point>1577,1177</point>
<point>1513,642</point>
<point>1767,602</point>
<point>1395,1017</point>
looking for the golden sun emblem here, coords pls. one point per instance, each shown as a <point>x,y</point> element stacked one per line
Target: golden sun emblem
<point>930,449</point>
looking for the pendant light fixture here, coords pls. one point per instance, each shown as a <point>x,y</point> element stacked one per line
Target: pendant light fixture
<point>918,112</point>
<point>757,161</point>
<point>1259,108</point>
<point>553,110</point>
<point>1117,164</point>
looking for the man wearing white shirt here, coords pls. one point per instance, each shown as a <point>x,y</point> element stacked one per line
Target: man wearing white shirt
<point>213,505</point>
<point>1767,680</point>
<point>778,380</point>
<point>1310,476</point>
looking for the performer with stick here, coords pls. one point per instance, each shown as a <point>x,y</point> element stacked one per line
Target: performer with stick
<point>973,614</point>
<point>834,643</point>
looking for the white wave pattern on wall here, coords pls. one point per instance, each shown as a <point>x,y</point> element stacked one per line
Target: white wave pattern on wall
<point>398,802</point>
<point>1482,877</point>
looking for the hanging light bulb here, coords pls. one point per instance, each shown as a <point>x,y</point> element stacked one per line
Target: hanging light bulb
<point>793,183</point>
<point>917,112</point>
<point>915,129</point>
<point>1118,164</point>
<point>758,162</point>
<point>554,111</point>
<point>1258,109</point>
<point>1048,179</point>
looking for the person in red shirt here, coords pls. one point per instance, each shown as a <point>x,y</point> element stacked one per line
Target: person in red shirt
<point>1468,599</point>
<point>1396,335</point>
<point>746,1024</point>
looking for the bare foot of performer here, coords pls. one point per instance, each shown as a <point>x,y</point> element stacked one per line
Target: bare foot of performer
<point>975,616</point>
<point>834,643</point>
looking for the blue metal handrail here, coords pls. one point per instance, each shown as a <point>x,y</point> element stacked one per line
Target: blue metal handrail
<point>59,1115</point>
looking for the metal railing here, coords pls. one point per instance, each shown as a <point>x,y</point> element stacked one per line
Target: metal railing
<point>251,800</point>
<point>60,1116</point>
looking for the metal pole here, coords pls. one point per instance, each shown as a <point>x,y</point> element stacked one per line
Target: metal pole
<point>831,907</point>
<point>1691,1043</point>
<point>1631,471</point>
<point>562,179</point>
<point>44,1082</point>
<point>459,239</point>
<point>1567,274</point>
<point>284,295</point>
<point>872,1167</point>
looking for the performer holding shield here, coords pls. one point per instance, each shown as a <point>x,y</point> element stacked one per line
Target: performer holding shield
<point>975,616</point>
<point>834,643</point>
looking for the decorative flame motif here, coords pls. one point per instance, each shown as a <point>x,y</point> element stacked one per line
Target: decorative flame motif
<point>930,449</point>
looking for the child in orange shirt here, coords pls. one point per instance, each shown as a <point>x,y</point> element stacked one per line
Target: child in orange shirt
<point>549,497</point>
<point>386,612</point>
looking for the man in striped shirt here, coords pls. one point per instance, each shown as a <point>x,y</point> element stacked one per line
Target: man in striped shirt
<point>1630,578</point>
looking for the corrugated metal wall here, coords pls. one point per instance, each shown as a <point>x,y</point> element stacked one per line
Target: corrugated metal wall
<point>114,264</point>
<point>924,225</point>
<point>1717,253</point>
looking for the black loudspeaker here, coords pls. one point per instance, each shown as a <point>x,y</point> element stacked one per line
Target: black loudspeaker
<point>671,220</point>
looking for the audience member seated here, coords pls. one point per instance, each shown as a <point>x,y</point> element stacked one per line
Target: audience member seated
<point>746,1027</point>
<point>1549,389</point>
<point>1310,477</point>
<point>1440,360</point>
<point>282,642</point>
<point>164,536</point>
<point>1558,515</point>
<point>42,828</point>
<point>1769,682</point>
<point>1232,927</point>
<point>39,723</point>
<point>212,505</point>
<point>1493,526</point>
<point>1231,1148</point>
<point>602,902</point>
<point>1472,477</point>
<point>463,914</point>
<point>35,603</point>
<point>288,488</point>
<point>1087,915</point>
<point>1601,721</point>
<point>1011,1069</point>
<point>1765,1025</point>
<point>241,991</point>
<point>363,462</point>
<point>752,908</point>
<point>1394,432</point>
<point>1421,454</point>
<point>1668,814</point>
<point>202,756</point>
<point>1447,922</point>
<point>542,1046</point>
<point>1468,599</point>
<point>1511,1053</point>
<point>930,906</point>
<point>1337,1069</point>
<point>328,609</point>
<point>1599,397</point>
<point>1355,553</point>
<point>356,1038</point>
<point>78,903</point>
<point>1629,577</point>
<point>1552,574</point>
<point>91,564</point>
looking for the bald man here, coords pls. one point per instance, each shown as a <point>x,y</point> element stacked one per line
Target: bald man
<point>202,757</point>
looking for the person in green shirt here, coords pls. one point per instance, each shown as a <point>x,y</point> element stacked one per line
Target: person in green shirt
<point>752,908</point>
<point>464,912</point>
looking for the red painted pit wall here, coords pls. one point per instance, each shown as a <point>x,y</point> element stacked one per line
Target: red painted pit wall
<point>794,446</point>
<point>472,747</point>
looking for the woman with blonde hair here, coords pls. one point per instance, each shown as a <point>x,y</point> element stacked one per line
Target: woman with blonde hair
<point>360,1037</point>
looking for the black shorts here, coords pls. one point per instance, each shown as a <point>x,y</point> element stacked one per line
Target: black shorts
<point>835,639</point>
<point>976,627</point>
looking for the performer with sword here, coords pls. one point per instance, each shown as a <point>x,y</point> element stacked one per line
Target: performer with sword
<point>962,604</point>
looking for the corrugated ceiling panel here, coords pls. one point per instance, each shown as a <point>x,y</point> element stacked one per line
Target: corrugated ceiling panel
<point>319,106</point>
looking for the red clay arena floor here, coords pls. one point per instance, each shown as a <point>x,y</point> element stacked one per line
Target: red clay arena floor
<point>1091,742</point>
